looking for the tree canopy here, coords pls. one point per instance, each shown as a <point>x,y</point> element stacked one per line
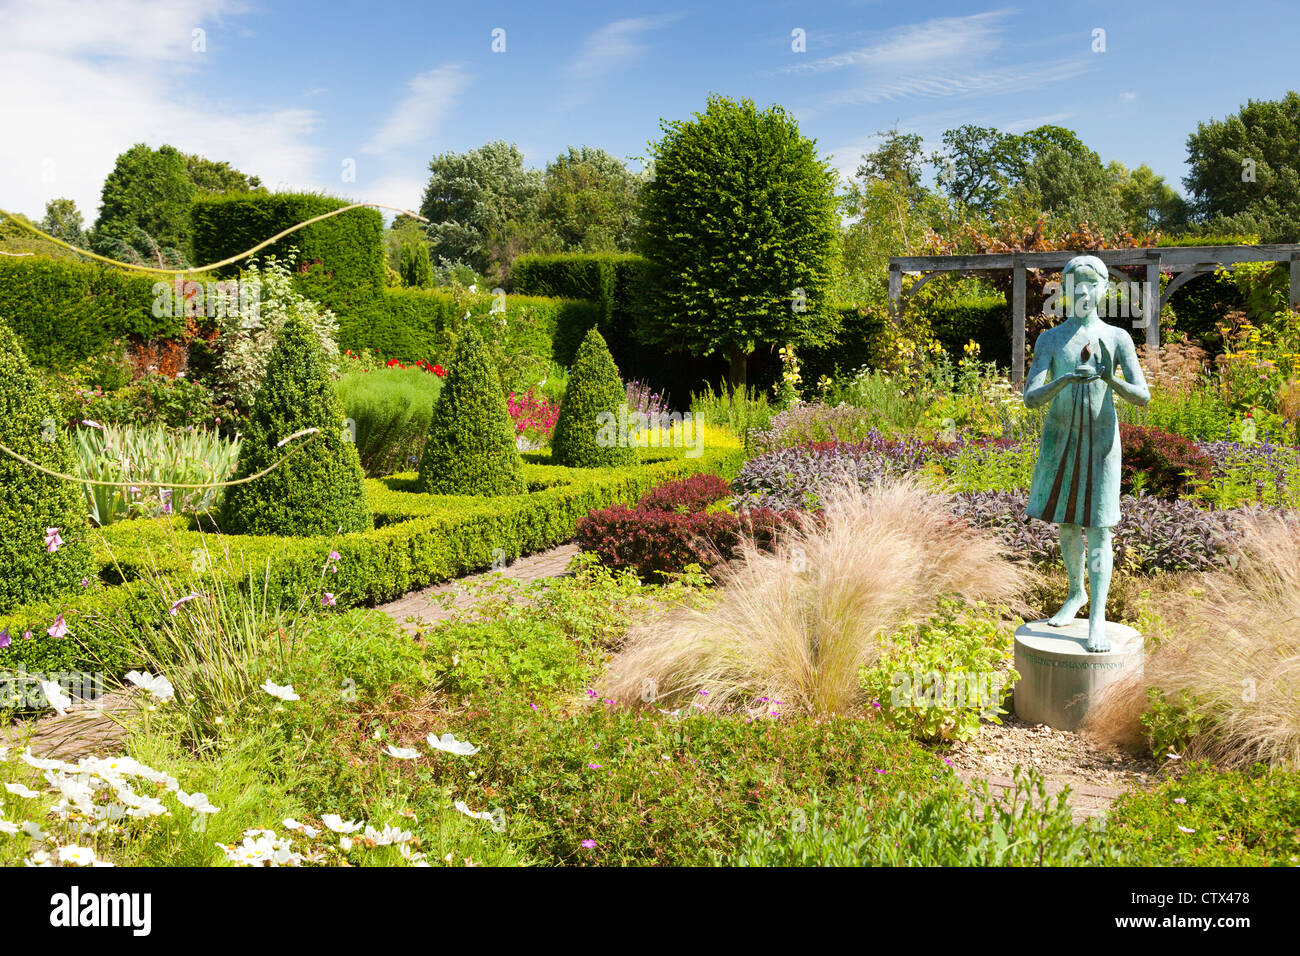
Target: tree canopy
<point>740,228</point>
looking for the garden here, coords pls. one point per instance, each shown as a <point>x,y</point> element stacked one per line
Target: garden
<point>797,525</point>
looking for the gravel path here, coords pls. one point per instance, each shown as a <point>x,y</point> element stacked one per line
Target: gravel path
<point>1096,775</point>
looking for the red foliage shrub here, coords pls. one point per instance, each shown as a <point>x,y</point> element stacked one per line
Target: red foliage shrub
<point>656,542</point>
<point>695,493</point>
<point>1171,463</point>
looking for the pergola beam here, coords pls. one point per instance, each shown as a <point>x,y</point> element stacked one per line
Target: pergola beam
<point>1189,260</point>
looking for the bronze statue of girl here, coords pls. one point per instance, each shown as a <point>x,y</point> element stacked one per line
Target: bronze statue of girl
<point>1077,477</point>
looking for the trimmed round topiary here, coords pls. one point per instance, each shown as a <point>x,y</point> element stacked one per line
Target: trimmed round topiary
<point>34,506</point>
<point>319,489</point>
<point>471,448</point>
<point>591,431</point>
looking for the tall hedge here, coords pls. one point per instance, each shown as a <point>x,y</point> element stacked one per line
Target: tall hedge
<point>65,311</point>
<point>594,389</point>
<point>319,488</point>
<point>471,448</point>
<point>343,255</point>
<point>30,501</point>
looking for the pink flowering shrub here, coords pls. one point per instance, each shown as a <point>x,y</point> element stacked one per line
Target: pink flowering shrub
<point>534,416</point>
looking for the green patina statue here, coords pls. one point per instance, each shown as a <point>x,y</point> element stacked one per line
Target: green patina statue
<point>1077,476</point>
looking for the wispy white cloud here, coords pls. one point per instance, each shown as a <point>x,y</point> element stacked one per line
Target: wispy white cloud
<point>415,119</point>
<point>952,83</point>
<point>614,45</point>
<point>947,40</point>
<point>120,72</point>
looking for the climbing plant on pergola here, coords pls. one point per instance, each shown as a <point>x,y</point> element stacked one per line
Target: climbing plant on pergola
<point>1186,262</point>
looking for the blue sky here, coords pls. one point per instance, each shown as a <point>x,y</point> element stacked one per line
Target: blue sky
<point>293,91</point>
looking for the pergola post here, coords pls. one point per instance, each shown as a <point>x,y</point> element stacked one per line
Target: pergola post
<point>895,290</point>
<point>1018,324</point>
<point>1151,302</point>
<point>1295,281</point>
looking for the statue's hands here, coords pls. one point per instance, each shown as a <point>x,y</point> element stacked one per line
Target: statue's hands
<point>1106,369</point>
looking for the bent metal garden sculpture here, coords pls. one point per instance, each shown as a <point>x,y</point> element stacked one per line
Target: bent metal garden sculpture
<point>1077,475</point>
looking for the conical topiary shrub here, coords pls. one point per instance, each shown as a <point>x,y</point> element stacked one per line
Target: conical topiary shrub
<point>317,490</point>
<point>34,506</point>
<point>594,388</point>
<point>471,448</point>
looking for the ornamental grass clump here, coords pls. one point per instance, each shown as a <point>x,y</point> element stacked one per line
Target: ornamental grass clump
<point>587,432</point>
<point>471,447</point>
<point>799,624</point>
<point>1221,679</point>
<point>44,550</point>
<point>317,489</point>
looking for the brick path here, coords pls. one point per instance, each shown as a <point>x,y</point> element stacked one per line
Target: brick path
<point>88,728</point>
<point>425,608</point>
<point>1086,800</point>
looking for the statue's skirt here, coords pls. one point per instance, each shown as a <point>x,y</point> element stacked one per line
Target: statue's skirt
<point>1076,479</point>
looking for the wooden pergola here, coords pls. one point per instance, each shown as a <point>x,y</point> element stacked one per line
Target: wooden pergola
<point>1186,262</point>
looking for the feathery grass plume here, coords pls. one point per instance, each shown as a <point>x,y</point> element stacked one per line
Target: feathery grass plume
<point>1233,646</point>
<point>797,625</point>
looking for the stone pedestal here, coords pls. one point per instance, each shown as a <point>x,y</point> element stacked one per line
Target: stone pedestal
<point>1059,676</point>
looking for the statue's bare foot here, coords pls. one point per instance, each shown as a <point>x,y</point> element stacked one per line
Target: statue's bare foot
<point>1068,610</point>
<point>1097,639</point>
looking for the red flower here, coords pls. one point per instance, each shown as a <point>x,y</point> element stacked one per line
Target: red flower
<point>439,371</point>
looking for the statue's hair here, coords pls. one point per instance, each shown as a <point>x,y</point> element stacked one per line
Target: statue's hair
<point>1086,262</point>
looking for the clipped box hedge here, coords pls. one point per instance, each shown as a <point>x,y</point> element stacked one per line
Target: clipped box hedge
<point>418,540</point>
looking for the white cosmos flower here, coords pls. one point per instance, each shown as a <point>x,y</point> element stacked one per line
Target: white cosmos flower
<point>262,848</point>
<point>451,745</point>
<point>283,693</point>
<point>41,763</point>
<point>463,807</point>
<point>155,684</point>
<point>198,802</point>
<point>18,790</point>
<point>309,831</point>
<point>388,835</point>
<point>335,823</point>
<point>9,828</point>
<point>76,791</point>
<point>402,753</point>
<point>55,697</point>
<point>77,855</point>
<point>34,831</point>
<point>149,807</point>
